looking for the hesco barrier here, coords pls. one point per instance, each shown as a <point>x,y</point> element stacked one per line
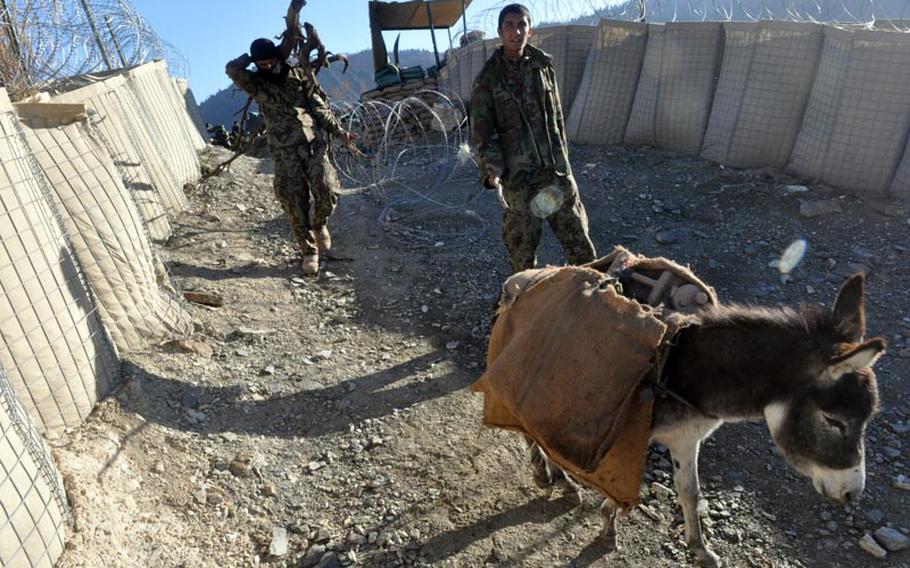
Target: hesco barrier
<point>854,132</point>
<point>601,108</point>
<point>568,45</point>
<point>104,226</point>
<point>825,103</point>
<point>765,80</point>
<point>53,347</point>
<point>115,123</point>
<point>85,185</point>
<point>33,505</point>
<point>162,121</point>
<point>676,86</point>
<point>131,116</point>
<point>182,117</point>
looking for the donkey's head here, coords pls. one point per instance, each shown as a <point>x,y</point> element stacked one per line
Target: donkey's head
<point>821,428</point>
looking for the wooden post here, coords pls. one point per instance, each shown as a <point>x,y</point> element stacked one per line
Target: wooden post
<point>433,33</point>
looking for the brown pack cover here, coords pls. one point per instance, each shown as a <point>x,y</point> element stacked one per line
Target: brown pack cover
<point>567,364</point>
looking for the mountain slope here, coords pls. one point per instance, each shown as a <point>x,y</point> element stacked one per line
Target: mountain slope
<point>221,107</point>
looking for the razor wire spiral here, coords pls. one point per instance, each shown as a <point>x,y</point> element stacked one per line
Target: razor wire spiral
<point>48,40</point>
<point>413,153</point>
<point>873,14</point>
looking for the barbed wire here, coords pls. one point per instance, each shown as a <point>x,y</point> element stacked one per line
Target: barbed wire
<point>42,41</point>
<point>413,154</point>
<point>893,15</point>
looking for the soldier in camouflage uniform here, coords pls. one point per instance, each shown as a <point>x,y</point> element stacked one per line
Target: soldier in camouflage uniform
<point>519,134</point>
<point>299,122</point>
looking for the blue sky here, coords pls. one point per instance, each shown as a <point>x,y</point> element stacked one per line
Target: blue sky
<point>211,32</point>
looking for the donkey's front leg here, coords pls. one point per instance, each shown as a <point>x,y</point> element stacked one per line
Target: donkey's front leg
<point>608,511</point>
<point>684,452</point>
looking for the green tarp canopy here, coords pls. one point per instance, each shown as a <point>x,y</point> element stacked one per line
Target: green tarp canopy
<point>412,15</point>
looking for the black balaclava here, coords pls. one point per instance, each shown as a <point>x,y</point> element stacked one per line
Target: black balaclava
<point>264,48</point>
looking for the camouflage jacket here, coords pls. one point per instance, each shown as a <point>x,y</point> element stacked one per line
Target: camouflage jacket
<point>294,109</point>
<point>517,124</point>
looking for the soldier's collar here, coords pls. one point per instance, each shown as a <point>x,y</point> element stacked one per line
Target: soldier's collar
<point>538,57</point>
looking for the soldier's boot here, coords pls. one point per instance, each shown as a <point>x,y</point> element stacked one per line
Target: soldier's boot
<point>323,238</point>
<point>310,265</point>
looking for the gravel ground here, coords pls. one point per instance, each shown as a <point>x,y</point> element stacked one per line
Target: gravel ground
<point>327,422</point>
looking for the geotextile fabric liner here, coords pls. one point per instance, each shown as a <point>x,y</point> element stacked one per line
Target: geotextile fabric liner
<point>33,506</point>
<point>855,127</point>
<point>601,107</point>
<point>676,86</point>
<point>765,81</point>
<point>110,115</point>
<point>58,356</point>
<point>164,120</point>
<point>106,231</point>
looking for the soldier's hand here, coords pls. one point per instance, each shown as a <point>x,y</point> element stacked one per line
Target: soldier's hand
<point>297,4</point>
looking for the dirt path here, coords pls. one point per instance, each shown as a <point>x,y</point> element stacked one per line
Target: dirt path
<point>336,411</point>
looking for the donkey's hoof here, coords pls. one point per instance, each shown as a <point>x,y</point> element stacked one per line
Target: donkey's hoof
<point>706,558</point>
<point>571,492</point>
<point>543,475</point>
<point>608,540</point>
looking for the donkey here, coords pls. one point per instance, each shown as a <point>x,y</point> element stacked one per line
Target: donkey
<point>807,372</point>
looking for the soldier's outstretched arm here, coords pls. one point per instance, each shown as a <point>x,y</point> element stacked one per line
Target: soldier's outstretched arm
<point>236,69</point>
<point>484,134</point>
<point>322,113</point>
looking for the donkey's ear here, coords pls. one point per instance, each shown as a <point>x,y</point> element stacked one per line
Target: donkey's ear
<point>857,357</point>
<point>849,310</point>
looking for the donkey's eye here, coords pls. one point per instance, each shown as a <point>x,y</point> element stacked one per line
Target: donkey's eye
<point>836,423</point>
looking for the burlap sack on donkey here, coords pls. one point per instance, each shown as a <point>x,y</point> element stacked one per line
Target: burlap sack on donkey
<point>570,362</point>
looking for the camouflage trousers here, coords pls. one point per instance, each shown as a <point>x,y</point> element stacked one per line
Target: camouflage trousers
<point>522,223</point>
<point>300,172</point>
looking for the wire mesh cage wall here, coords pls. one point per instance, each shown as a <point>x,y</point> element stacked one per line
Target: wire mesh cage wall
<point>33,505</point>
<point>48,40</point>
<point>53,346</point>
<point>878,14</point>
